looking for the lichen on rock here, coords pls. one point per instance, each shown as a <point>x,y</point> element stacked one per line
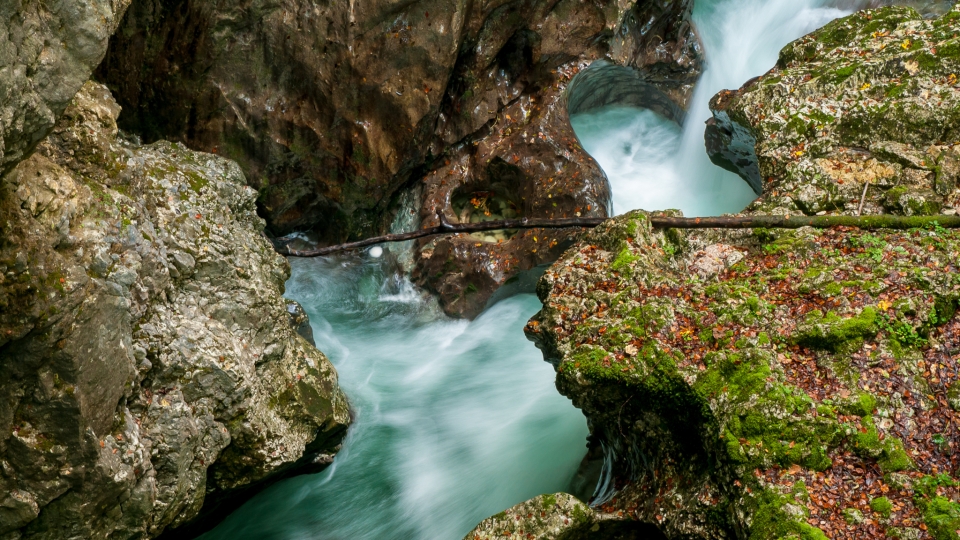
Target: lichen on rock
<point>857,116</point>
<point>149,363</point>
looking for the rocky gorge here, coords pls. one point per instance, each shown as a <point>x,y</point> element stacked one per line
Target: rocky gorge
<point>752,384</point>
<point>339,113</point>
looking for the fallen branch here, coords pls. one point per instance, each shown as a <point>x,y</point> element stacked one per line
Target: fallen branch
<point>661,222</point>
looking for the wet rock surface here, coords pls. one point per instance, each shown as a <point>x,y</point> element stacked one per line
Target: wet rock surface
<point>149,368</point>
<point>530,164</point>
<point>859,116</point>
<point>47,52</point>
<point>335,112</point>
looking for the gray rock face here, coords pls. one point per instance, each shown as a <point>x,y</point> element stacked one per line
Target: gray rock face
<point>147,359</point>
<point>47,52</point>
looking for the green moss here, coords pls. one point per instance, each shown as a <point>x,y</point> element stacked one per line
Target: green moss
<point>834,333</point>
<point>894,457</point>
<point>882,506</point>
<point>624,260</point>
<point>549,501</point>
<point>888,450</point>
<point>843,74</point>
<point>942,517</point>
<point>771,520</point>
<point>580,514</point>
<point>862,405</point>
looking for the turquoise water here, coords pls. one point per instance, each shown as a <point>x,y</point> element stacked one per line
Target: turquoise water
<point>455,420</point>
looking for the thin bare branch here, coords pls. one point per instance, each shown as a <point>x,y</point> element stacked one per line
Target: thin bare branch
<point>662,222</point>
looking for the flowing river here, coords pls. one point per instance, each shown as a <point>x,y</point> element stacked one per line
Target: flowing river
<point>455,420</point>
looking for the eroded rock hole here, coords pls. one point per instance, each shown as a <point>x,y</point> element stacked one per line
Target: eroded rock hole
<point>605,85</point>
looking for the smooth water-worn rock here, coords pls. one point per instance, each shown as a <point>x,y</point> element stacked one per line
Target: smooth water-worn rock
<point>858,116</point>
<point>148,364</point>
<point>47,51</point>
<point>335,111</point>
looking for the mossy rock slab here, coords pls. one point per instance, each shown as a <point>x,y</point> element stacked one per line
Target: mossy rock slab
<point>772,395</point>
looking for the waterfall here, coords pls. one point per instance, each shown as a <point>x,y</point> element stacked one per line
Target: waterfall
<point>655,164</point>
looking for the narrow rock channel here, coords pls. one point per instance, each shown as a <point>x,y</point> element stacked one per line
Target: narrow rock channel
<point>455,420</point>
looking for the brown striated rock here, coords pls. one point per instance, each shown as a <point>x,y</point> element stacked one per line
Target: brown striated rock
<point>336,111</point>
<point>529,164</point>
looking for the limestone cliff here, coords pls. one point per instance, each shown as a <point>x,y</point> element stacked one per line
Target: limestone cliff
<point>47,52</point>
<point>148,364</point>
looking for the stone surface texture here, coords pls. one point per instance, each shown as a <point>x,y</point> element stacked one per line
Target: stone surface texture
<point>559,516</point>
<point>148,361</point>
<point>47,51</point>
<point>336,110</point>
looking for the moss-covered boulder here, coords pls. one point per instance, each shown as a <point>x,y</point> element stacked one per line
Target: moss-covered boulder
<point>774,396</point>
<point>149,368</point>
<point>861,115</point>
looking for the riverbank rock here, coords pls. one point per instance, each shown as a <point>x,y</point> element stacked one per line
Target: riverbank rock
<point>149,367</point>
<point>559,517</point>
<point>47,52</point>
<point>801,389</point>
<point>341,114</point>
<point>857,116</point>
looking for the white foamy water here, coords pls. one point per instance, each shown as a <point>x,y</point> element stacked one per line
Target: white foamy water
<point>455,420</point>
<point>651,162</point>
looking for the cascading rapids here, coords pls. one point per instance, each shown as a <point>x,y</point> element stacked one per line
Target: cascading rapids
<point>455,420</point>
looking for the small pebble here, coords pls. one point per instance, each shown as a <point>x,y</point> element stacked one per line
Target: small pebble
<point>376,252</point>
